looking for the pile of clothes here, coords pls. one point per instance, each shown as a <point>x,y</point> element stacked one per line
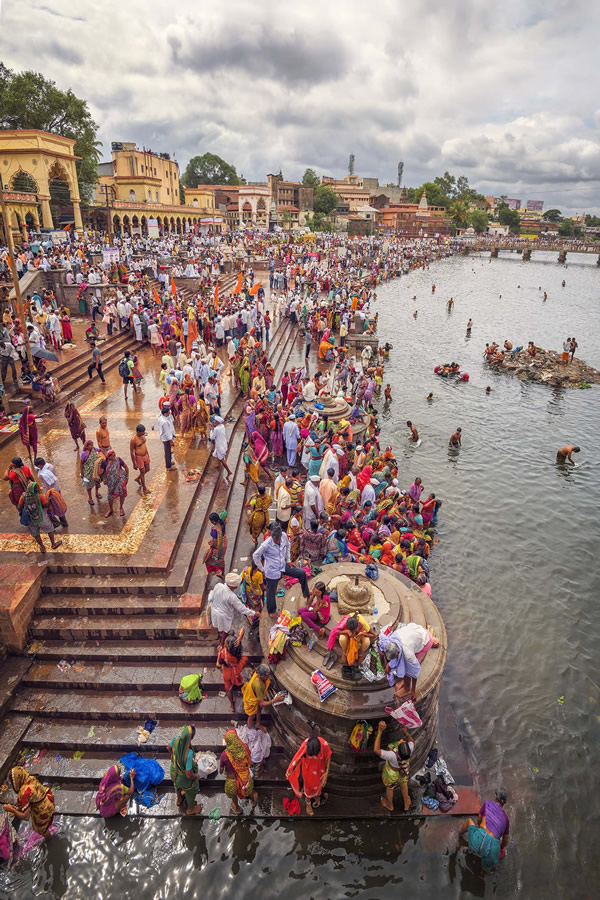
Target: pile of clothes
<point>435,777</point>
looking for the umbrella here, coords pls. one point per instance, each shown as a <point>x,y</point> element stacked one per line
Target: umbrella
<point>44,354</point>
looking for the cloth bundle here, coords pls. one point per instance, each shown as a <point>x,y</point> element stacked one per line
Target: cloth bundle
<point>148,773</point>
<point>189,689</point>
<point>324,687</point>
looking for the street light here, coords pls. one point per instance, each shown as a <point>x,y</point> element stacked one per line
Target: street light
<point>15,277</point>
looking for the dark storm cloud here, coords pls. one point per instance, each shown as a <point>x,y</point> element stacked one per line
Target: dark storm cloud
<point>263,51</point>
<point>504,93</point>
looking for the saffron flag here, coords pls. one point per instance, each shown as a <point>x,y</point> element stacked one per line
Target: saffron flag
<point>238,287</point>
<point>173,288</point>
<point>156,297</point>
<point>217,297</point>
<point>254,289</point>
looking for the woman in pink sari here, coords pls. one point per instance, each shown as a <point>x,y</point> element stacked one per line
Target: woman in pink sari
<point>262,451</point>
<point>113,796</point>
<point>28,431</point>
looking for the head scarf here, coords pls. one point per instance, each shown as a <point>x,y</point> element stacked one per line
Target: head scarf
<point>181,747</point>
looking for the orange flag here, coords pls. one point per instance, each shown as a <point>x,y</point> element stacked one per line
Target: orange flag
<point>217,297</point>
<point>192,334</point>
<point>254,288</point>
<point>173,288</point>
<point>238,287</point>
<point>156,297</point>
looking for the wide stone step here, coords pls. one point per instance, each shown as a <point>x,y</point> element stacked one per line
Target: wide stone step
<point>178,651</point>
<point>118,736</point>
<point>86,585</point>
<point>90,705</point>
<point>118,605</point>
<point>91,767</point>
<point>130,676</point>
<point>73,801</point>
<point>78,628</point>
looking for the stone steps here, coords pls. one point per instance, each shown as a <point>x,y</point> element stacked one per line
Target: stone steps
<point>176,651</point>
<point>88,770</point>
<point>82,628</point>
<point>127,676</point>
<point>91,705</point>
<point>117,736</point>
<point>118,605</point>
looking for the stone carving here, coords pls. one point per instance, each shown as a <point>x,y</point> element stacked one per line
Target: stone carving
<point>355,595</point>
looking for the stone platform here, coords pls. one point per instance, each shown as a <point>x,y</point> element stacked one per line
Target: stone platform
<point>394,600</point>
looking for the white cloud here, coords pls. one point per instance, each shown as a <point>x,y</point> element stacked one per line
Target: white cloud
<point>504,93</point>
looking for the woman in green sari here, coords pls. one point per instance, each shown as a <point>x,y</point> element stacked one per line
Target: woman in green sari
<point>184,770</point>
<point>245,375</point>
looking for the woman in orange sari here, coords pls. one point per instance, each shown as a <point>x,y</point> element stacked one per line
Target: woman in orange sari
<point>34,801</point>
<point>235,762</point>
<point>312,763</point>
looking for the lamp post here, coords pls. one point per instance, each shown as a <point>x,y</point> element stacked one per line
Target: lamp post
<point>15,277</point>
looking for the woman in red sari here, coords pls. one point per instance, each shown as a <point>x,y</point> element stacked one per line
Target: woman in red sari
<point>19,476</point>
<point>262,451</point>
<point>28,431</point>
<point>67,331</point>
<point>312,763</point>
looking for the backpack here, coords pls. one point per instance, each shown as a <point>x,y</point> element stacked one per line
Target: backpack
<point>123,368</point>
<point>359,736</point>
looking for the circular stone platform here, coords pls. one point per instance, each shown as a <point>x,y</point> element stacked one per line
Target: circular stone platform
<point>395,599</point>
<point>335,409</point>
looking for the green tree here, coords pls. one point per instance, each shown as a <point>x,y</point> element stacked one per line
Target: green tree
<point>28,100</point>
<point>553,215</point>
<point>478,220</point>
<point>325,200</point>
<point>310,178</point>
<point>209,169</point>
<point>458,212</point>
<point>510,217</point>
<point>447,184</point>
<point>434,193</point>
<point>565,229</point>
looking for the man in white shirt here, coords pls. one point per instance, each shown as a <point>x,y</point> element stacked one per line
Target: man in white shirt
<point>166,431</point>
<point>313,504</point>
<point>284,504</point>
<point>219,436</point>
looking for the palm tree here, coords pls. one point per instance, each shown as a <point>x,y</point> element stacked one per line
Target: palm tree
<point>459,213</point>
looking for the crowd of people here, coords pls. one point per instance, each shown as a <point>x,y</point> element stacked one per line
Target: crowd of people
<point>338,494</point>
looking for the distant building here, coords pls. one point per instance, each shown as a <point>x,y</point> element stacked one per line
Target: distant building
<point>293,197</point>
<point>413,219</point>
<point>140,188</point>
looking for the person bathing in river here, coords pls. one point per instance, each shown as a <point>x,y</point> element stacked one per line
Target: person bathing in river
<point>455,442</point>
<point>489,838</point>
<point>564,453</point>
<point>414,434</point>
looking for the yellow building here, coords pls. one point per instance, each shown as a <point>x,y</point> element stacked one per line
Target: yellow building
<point>38,172</point>
<point>138,193</point>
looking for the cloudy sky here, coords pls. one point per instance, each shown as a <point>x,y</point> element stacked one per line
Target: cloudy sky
<point>505,93</point>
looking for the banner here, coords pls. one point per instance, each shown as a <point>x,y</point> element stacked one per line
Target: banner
<point>535,205</point>
<point>110,255</point>
<point>153,228</point>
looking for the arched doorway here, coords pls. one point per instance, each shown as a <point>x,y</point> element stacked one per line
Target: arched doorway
<point>126,225</point>
<point>117,224</point>
<point>144,225</point>
<point>172,224</point>
<point>178,225</point>
<point>135,224</point>
<point>23,182</point>
<point>61,206</point>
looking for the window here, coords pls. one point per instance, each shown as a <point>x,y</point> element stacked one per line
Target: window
<point>149,195</point>
<point>195,201</point>
<point>156,192</point>
<point>142,169</point>
<point>168,192</point>
<point>155,170</point>
<point>132,196</point>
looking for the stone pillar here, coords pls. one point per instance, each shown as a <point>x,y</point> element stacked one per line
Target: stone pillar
<point>77,216</point>
<point>46,212</point>
<point>562,256</point>
<point>494,253</point>
<point>526,254</point>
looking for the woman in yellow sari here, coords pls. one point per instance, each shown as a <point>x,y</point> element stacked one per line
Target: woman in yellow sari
<point>34,800</point>
<point>235,762</point>
<point>258,520</point>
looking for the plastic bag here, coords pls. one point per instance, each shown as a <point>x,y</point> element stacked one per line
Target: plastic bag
<point>406,714</point>
<point>206,761</point>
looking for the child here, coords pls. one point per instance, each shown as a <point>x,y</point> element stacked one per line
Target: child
<point>388,393</point>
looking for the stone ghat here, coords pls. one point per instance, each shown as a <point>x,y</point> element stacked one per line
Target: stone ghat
<point>546,368</point>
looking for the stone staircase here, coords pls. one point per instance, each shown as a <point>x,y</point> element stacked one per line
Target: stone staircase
<point>129,631</point>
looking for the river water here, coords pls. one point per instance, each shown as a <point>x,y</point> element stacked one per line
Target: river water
<point>516,579</point>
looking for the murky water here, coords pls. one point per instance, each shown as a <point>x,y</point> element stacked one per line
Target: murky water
<point>516,578</point>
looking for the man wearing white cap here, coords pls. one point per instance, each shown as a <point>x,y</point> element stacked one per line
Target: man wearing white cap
<point>291,436</point>
<point>224,603</point>
<point>313,504</point>
<point>219,436</point>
